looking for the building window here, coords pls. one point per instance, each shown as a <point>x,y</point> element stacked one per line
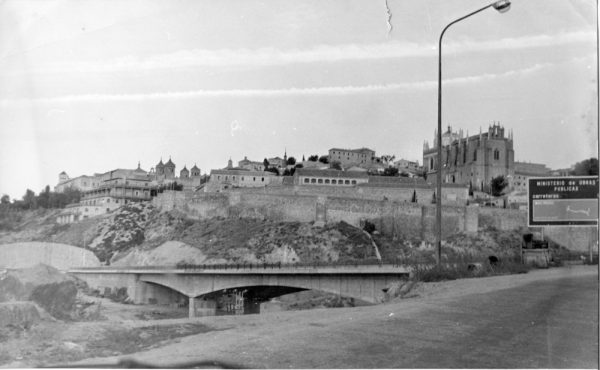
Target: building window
<point>312,181</point>
<point>320,181</point>
<point>327,181</point>
<point>242,178</point>
<point>306,181</point>
<point>333,182</point>
<point>475,155</point>
<point>347,182</point>
<point>353,182</point>
<point>254,179</point>
<point>496,154</point>
<point>262,179</point>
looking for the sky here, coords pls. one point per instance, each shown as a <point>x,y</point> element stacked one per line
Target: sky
<point>87,86</point>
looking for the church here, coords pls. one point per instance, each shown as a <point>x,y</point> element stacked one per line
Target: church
<point>472,160</point>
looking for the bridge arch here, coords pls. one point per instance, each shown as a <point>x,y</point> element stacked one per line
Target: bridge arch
<point>192,285</point>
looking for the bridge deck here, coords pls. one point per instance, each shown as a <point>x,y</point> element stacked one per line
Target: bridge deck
<point>247,270</point>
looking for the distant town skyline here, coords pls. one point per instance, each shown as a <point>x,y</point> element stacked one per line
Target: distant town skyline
<point>92,86</point>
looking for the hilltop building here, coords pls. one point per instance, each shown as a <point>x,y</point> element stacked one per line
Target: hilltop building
<point>81,183</point>
<point>107,191</point>
<point>352,157</point>
<point>329,177</point>
<point>473,160</point>
<point>525,170</point>
<point>231,178</point>
<point>251,165</point>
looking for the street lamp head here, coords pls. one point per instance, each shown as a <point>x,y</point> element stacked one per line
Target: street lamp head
<point>502,6</point>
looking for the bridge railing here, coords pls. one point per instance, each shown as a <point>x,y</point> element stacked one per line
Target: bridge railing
<point>264,265</point>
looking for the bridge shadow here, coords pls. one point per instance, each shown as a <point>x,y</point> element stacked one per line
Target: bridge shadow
<point>258,298</point>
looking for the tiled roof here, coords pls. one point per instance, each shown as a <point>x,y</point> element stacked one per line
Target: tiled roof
<point>361,150</point>
<point>241,171</point>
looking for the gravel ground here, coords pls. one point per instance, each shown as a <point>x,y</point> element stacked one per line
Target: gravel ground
<point>287,339</point>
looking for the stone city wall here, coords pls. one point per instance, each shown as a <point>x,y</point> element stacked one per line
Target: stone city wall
<point>400,218</point>
<point>403,219</point>
<point>424,194</point>
<point>502,218</point>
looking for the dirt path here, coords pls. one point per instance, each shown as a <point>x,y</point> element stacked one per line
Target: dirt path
<point>295,338</point>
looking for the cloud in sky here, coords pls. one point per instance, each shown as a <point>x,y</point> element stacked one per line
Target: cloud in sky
<point>318,54</point>
<point>327,90</point>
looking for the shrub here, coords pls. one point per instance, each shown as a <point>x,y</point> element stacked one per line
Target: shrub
<point>461,270</point>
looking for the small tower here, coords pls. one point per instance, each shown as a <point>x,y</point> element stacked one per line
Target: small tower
<point>160,168</point>
<point>169,169</point>
<point>62,177</point>
<point>184,173</point>
<point>229,164</point>
<point>139,169</point>
<point>195,171</point>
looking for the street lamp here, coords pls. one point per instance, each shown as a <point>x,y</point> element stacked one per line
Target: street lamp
<point>501,6</point>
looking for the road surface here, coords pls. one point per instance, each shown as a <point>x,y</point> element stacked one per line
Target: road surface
<point>545,319</point>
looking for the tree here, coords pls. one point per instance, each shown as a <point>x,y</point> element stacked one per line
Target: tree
<point>266,164</point>
<point>387,158</point>
<point>291,161</point>
<point>336,165</point>
<point>498,184</point>
<point>5,199</point>
<point>324,159</point>
<point>587,167</point>
<point>44,197</point>
<point>313,158</point>
<point>390,171</point>
<point>303,158</point>
<point>29,199</point>
<point>299,165</point>
<point>414,197</point>
<point>273,169</point>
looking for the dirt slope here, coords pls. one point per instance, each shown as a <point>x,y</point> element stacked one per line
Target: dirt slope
<point>137,233</point>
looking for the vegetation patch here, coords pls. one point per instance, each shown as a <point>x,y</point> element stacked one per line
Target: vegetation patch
<point>461,270</point>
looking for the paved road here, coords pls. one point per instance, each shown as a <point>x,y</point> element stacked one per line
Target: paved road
<point>543,324</point>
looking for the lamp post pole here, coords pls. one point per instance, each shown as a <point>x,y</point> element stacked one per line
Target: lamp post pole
<point>501,6</point>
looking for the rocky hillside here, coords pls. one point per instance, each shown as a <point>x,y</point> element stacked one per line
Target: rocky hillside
<point>140,234</point>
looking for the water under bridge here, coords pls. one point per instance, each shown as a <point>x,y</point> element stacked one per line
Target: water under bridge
<point>163,284</point>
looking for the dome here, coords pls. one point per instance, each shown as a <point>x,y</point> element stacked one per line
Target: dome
<point>160,164</point>
<point>170,164</point>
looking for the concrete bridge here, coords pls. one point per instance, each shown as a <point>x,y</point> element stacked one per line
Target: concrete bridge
<point>163,284</point>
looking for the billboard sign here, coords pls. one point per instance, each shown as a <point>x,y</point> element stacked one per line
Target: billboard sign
<point>563,201</point>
